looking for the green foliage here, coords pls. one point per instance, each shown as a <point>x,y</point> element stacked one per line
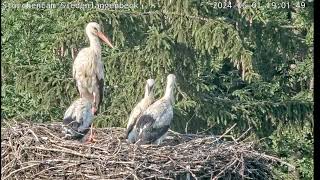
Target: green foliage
<point>250,66</point>
<point>296,147</point>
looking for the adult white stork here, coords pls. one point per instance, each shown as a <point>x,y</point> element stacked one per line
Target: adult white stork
<point>153,124</point>
<point>148,99</point>
<point>88,69</point>
<point>78,119</point>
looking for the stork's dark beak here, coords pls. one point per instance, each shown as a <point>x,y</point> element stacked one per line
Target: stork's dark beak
<point>151,88</point>
<point>105,39</point>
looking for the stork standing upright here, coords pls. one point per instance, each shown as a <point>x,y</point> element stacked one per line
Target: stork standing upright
<point>78,119</point>
<point>88,69</point>
<point>131,133</point>
<point>154,123</point>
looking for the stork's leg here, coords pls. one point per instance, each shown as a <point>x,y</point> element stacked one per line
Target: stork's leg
<point>94,98</point>
<point>91,136</point>
<point>138,142</point>
<point>94,108</point>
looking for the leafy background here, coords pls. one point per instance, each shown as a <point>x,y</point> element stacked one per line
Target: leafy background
<point>250,66</point>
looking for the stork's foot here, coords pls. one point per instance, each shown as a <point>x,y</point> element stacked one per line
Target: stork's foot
<point>148,145</point>
<point>143,144</point>
<point>90,139</point>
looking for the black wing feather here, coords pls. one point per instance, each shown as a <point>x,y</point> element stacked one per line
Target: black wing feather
<point>129,129</point>
<point>145,120</point>
<point>73,125</point>
<point>100,88</point>
<point>150,134</point>
<point>75,81</point>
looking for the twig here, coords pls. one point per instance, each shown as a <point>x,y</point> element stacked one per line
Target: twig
<point>223,170</point>
<point>272,157</point>
<point>226,132</point>
<point>15,171</point>
<point>66,151</point>
<point>29,130</point>
<point>242,135</point>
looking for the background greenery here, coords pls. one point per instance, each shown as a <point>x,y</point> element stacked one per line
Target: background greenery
<point>250,66</point>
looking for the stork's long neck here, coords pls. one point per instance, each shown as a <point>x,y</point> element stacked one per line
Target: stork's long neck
<point>94,44</point>
<point>169,93</point>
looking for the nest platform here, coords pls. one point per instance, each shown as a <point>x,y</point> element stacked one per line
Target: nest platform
<point>38,151</point>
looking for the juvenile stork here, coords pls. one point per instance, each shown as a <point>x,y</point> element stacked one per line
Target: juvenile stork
<point>154,123</point>
<point>88,69</point>
<point>78,119</point>
<point>131,133</point>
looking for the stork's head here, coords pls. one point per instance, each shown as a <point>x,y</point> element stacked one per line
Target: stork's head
<point>171,80</point>
<point>149,87</point>
<point>94,29</point>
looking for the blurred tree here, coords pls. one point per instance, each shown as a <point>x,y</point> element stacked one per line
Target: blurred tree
<point>250,65</point>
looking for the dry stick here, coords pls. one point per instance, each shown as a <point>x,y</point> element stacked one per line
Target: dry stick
<point>242,135</point>
<point>4,168</point>
<point>152,169</point>
<point>176,164</point>
<point>120,162</point>
<point>206,130</point>
<point>69,152</point>
<point>105,157</point>
<point>131,173</point>
<point>223,170</point>
<point>242,167</point>
<point>130,169</point>
<point>15,171</point>
<point>49,161</point>
<point>175,132</point>
<point>13,148</point>
<point>188,169</point>
<point>226,132</point>
<point>187,124</point>
<point>184,135</point>
<point>42,172</point>
<point>134,172</point>
<point>92,177</point>
<point>272,157</point>
<point>29,130</point>
<point>84,145</point>
<point>118,149</point>
<point>45,129</point>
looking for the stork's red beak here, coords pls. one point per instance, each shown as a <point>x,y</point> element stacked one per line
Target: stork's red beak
<point>104,38</point>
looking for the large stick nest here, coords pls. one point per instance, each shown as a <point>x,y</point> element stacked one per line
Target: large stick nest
<point>38,151</point>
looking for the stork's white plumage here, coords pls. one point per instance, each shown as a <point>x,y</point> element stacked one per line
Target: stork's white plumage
<point>78,119</point>
<point>88,69</point>
<point>131,133</point>
<point>153,124</point>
